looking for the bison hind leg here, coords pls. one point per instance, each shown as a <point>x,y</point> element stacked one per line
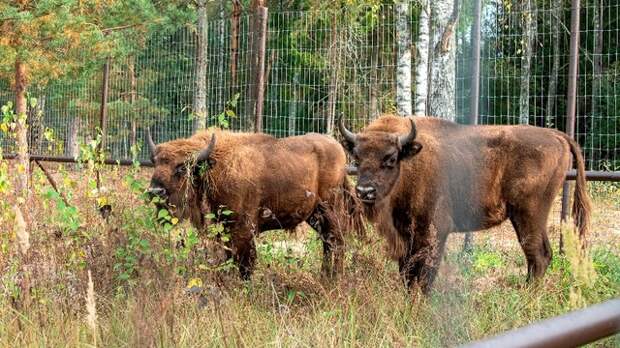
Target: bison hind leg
<point>531,231</point>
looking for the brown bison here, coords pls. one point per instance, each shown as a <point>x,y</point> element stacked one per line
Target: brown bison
<point>418,171</point>
<point>267,183</point>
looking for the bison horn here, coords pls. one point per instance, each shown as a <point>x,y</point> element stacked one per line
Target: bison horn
<point>347,134</point>
<point>150,141</point>
<point>406,139</point>
<point>204,154</point>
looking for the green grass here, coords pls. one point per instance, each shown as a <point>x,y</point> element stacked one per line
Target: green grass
<point>141,278</point>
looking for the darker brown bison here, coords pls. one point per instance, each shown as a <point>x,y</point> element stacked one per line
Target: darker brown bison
<point>416,172</point>
<point>267,183</point>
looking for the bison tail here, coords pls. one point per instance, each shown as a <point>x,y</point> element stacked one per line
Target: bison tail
<point>582,206</point>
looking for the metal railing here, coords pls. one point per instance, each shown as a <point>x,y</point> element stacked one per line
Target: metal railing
<point>569,330</point>
<point>591,175</point>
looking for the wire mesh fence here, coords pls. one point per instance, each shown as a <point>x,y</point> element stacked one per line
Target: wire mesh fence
<point>323,64</point>
<point>524,80</point>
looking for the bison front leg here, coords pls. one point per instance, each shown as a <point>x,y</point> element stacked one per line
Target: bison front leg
<point>420,265</point>
<point>429,269</point>
<point>244,248</point>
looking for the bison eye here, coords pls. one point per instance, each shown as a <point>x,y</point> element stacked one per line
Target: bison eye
<point>180,170</point>
<point>390,161</point>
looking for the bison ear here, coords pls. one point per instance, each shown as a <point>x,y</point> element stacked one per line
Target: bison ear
<point>203,165</point>
<point>203,159</point>
<point>409,150</point>
<point>348,145</point>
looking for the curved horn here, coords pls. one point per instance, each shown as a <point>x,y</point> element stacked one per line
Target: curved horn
<point>406,139</point>
<point>150,141</point>
<point>204,154</point>
<point>347,134</point>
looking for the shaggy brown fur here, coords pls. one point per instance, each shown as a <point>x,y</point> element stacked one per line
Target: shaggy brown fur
<point>462,178</point>
<point>268,183</point>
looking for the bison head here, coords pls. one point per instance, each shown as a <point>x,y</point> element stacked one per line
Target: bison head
<point>179,165</point>
<point>378,157</point>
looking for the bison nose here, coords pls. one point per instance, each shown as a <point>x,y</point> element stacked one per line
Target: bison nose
<point>156,191</point>
<point>366,193</point>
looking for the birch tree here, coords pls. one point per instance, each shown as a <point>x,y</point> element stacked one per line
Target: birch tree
<point>422,66</point>
<point>403,64</point>
<point>442,63</point>
<point>528,25</point>
<point>200,71</point>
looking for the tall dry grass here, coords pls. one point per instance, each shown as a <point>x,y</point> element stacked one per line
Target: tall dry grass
<point>124,281</point>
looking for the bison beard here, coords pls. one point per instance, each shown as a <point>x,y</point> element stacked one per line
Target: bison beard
<point>461,178</point>
<point>267,183</point>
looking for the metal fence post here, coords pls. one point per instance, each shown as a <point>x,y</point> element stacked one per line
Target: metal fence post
<point>475,66</point>
<point>474,96</point>
<point>571,101</point>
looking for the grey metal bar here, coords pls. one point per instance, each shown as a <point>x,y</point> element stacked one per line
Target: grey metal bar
<point>591,175</point>
<point>571,98</point>
<point>351,170</point>
<point>61,159</point>
<point>569,330</point>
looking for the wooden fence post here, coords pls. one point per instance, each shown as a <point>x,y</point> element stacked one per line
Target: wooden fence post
<point>261,47</point>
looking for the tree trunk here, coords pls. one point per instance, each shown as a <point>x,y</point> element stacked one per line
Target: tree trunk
<point>72,148</point>
<point>558,9</point>
<point>252,83</point>
<point>334,63</point>
<point>200,82</point>
<point>133,84</point>
<point>528,26</point>
<point>21,132</point>
<point>292,108</point>
<point>442,101</point>
<point>403,59</point>
<point>221,79</point>
<point>422,67</point>
<point>374,86</point>
<point>234,44</point>
<point>35,125</point>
